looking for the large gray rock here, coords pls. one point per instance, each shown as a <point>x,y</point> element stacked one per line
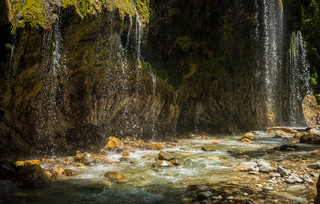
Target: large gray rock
<point>296,190</point>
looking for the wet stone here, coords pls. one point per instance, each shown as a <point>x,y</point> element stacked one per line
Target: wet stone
<point>293,179</point>
<point>162,163</point>
<point>114,176</point>
<point>208,148</point>
<point>164,156</point>
<point>275,175</point>
<point>204,195</point>
<point>289,147</point>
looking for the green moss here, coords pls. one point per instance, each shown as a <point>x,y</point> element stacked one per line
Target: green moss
<point>183,43</point>
<point>32,14</point>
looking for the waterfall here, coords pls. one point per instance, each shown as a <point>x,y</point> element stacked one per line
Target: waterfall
<point>272,35</point>
<point>48,122</point>
<point>154,91</point>
<point>298,78</point>
<point>15,36</point>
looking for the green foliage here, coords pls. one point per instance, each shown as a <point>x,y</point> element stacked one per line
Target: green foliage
<point>314,77</point>
<point>183,43</point>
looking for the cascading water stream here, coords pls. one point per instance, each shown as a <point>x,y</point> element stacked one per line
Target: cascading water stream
<point>272,29</point>
<point>298,78</point>
<point>15,36</point>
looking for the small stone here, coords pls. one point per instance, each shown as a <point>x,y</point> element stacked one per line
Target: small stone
<point>253,172</point>
<point>267,188</point>
<point>275,175</point>
<point>125,154</point>
<point>204,195</point>
<point>283,171</point>
<point>164,156</point>
<point>293,179</point>
<point>262,162</point>
<point>245,139</point>
<point>245,194</point>
<point>162,163</point>
<point>156,146</point>
<point>267,169</point>
<point>230,198</point>
<point>114,176</point>
<point>208,148</point>
<point>70,172</point>
<point>314,165</point>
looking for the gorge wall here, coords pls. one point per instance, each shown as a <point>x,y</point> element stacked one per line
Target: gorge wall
<point>75,72</point>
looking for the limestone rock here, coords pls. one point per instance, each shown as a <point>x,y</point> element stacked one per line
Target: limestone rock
<point>262,162</point>
<point>33,176</point>
<point>115,176</point>
<point>164,156</point>
<point>310,109</point>
<point>114,143</point>
<point>162,163</point>
<point>175,162</point>
<point>245,139</point>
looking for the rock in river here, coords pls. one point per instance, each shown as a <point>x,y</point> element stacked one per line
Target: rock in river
<point>33,176</point>
<point>162,163</point>
<point>314,165</point>
<point>164,156</point>
<point>283,171</point>
<point>247,166</point>
<point>114,176</point>
<point>289,147</point>
<point>310,139</point>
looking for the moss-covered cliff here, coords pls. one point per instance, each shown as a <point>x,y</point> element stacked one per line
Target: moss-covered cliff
<point>76,71</point>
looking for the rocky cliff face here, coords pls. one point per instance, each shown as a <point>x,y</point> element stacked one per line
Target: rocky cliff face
<point>85,70</point>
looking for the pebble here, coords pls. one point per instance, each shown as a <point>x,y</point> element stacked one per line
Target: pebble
<point>283,171</point>
<point>253,172</point>
<point>267,169</point>
<point>245,194</point>
<point>230,198</point>
<point>262,162</point>
<point>308,179</point>
<point>293,179</point>
<point>267,188</point>
<point>275,175</point>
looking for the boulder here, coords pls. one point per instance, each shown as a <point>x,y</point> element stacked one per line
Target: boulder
<point>310,139</point>
<point>208,148</point>
<point>175,162</point>
<point>162,163</point>
<point>164,156</point>
<point>115,176</point>
<point>33,176</point>
<point>8,170</point>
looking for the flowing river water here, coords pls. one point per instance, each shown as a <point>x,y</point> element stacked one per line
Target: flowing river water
<point>146,184</point>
